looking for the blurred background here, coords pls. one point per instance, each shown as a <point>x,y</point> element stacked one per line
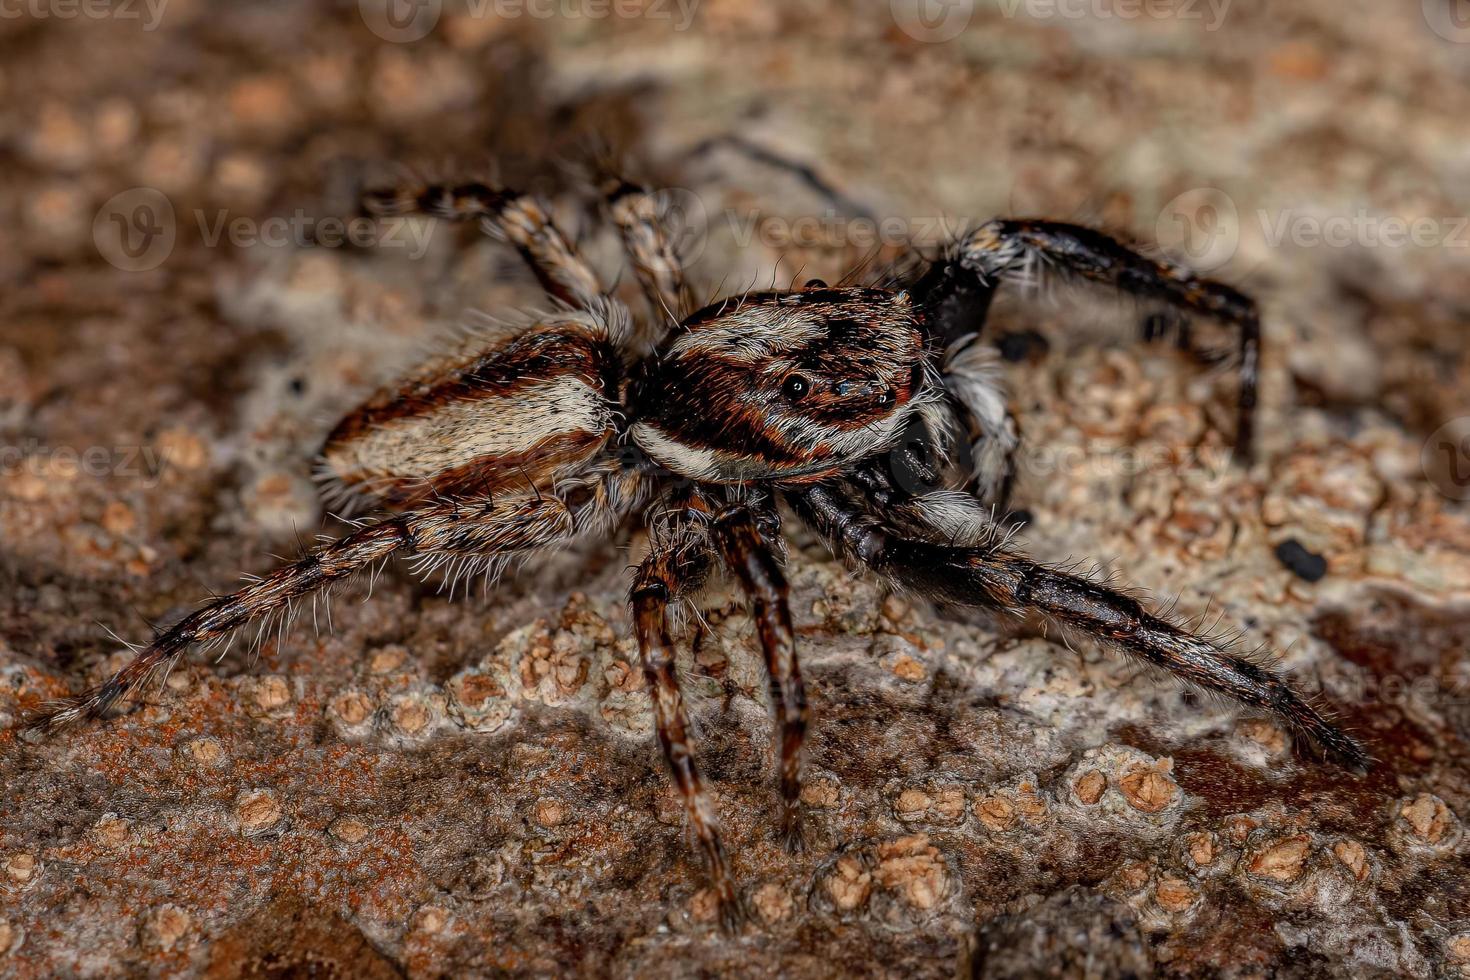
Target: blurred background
<point>191,297</point>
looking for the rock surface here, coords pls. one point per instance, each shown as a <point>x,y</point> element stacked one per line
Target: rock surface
<point>470,787</point>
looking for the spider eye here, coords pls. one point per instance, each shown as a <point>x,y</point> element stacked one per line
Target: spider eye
<point>795,387</point>
<point>886,398</point>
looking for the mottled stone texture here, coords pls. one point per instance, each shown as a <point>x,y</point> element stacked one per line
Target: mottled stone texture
<point>469,787</point>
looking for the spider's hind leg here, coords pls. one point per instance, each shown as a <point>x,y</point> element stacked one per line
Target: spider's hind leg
<point>460,535</point>
<point>645,223</point>
<point>271,595</point>
<point>507,215</point>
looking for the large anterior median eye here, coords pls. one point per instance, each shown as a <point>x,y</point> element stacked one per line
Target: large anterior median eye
<point>795,387</point>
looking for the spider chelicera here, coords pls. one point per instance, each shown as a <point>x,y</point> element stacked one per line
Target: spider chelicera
<point>586,419</point>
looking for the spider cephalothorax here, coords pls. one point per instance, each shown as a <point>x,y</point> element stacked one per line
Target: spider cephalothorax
<point>521,442</point>
<point>789,387</point>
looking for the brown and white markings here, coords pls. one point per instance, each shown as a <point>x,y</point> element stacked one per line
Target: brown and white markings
<point>583,421</point>
<point>524,413</point>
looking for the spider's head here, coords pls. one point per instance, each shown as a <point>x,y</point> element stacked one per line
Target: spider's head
<point>781,386</point>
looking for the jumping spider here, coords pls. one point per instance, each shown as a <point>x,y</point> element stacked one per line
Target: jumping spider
<point>585,420</point>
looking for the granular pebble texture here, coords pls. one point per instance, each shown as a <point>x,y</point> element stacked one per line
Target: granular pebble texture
<point>424,785</point>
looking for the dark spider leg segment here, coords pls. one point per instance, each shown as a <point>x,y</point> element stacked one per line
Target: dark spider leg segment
<point>641,219</point>
<point>990,576</point>
<point>747,554</point>
<point>958,290</point>
<point>515,217</point>
<point>814,181</point>
<point>662,578</point>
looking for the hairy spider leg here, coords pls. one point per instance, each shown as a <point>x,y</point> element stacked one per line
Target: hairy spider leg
<point>989,575</point>
<point>644,222</point>
<point>460,535</point>
<point>664,577</point>
<point>957,290</point>
<point>746,552</point>
<point>507,215</point>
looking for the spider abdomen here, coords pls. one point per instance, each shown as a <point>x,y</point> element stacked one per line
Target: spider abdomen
<point>521,414</point>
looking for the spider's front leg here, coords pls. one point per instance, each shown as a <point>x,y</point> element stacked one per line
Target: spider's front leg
<point>667,575</point>
<point>746,552</point>
<point>958,290</point>
<point>986,574</point>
